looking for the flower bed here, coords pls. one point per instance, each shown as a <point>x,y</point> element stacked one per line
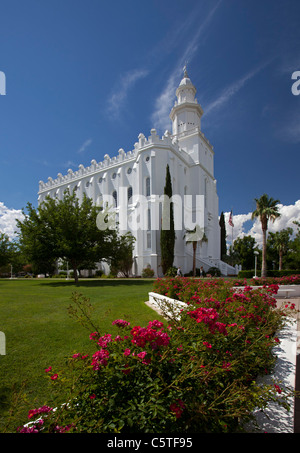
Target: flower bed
<point>188,289</point>
<point>196,373</point>
<point>261,281</point>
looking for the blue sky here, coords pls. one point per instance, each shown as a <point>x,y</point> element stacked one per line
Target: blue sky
<point>84,78</point>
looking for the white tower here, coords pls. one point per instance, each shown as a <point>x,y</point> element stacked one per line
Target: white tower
<point>186,128</point>
<point>186,113</point>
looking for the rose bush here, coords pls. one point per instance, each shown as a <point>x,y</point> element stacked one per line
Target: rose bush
<point>193,374</point>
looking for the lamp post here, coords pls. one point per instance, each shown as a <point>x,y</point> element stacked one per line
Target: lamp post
<point>256,253</point>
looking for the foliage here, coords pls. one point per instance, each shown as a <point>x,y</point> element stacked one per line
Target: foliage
<point>266,209</point>
<point>64,229</point>
<point>293,258</point>
<point>5,249</point>
<point>193,374</point>
<point>171,272</point>
<point>244,248</point>
<point>167,236</point>
<point>214,272</point>
<point>223,251</point>
<point>123,259</point>
<point>147,272</point>
<point>279,242</point>
<point>11,257</point>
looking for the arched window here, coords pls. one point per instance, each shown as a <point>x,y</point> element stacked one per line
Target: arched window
<point>129,194</point>
<point>148,187</point>
<point>149,220</point>
<point>205,191</point>
<point>148,229</point>
<point>115,196</point>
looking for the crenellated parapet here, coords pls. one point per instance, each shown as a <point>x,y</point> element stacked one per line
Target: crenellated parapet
<point>109,162</point>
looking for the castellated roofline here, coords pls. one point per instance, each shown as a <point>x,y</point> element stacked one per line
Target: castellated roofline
<point>167,141</point>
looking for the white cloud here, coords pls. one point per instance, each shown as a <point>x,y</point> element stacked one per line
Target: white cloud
<point>84,146</point>
<point>289,214</point>
<point>238,230</point>
<point>118,97</point>
<point>8,224</point>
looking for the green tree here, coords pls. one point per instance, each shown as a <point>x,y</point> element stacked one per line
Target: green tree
<point>65,229</point>
<point>123,255</point>
<point>223,251</point>
<point>36,240</point>
<point>5,249</point>
<point>266,209</point>
<point>293,255</point>
<point>167,237</point>
<point>244,251</point>
<point>280,241</point>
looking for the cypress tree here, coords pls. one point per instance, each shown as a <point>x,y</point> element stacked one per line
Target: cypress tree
<point>223,251</point>
<point>167,237</point>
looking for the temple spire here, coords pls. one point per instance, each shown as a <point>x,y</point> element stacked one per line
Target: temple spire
<point>185,74</point>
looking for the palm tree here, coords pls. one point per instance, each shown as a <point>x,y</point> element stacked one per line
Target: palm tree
<point>281,242</point>
<point>193,237</point>
<point>266,210</point>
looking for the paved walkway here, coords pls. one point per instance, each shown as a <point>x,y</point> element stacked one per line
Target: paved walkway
<point>296,301</point>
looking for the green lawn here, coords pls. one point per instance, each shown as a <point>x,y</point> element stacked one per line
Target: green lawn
<point>40,332</point>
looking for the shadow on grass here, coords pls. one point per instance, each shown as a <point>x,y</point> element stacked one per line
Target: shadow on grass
<point>99,283</point>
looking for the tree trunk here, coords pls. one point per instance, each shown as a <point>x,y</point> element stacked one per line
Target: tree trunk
<point>194,258</point>
<point>280,259</point>
<point>264,254</point>
<point>74,266</point>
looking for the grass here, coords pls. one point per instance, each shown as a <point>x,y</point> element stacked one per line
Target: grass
<point>40,332</point>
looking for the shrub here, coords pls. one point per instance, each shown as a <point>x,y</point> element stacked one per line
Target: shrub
<point>99,273</point>
<point>195,374</point>
<point>214,271</point>
<point>171,272</point>
<point>246,274</point>
<point>147,273</point>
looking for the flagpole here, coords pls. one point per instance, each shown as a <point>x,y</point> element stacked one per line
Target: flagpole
<point>232,225</point>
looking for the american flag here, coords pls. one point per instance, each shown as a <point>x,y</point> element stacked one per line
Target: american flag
<point>230,220</point>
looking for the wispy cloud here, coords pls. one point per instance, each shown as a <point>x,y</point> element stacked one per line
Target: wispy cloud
<point>85,145</point>
<point>289,130</point>
<point>69,164</point>
<point>163,103</point>
<point>233,89</point>
<point>118,97</point>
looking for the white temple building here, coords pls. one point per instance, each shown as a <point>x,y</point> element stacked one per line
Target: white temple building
<point>131,185</point>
